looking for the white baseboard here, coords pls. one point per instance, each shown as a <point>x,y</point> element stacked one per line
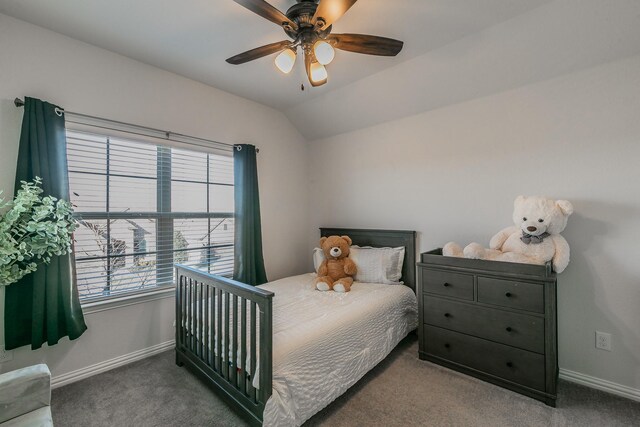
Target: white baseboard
<point>79,374</point>
<point>600,384</point>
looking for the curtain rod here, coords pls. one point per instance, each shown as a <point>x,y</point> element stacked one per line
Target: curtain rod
<point>20,103</point>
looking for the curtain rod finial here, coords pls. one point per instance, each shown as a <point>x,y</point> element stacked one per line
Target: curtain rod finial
<point>239,147</point>
<point>18,102</point>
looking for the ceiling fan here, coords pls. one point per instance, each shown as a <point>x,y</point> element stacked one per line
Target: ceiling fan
<point>308,23</point>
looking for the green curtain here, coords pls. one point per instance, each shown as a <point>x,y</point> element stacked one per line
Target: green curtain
<point>43,306</point>
<point>249,264</point>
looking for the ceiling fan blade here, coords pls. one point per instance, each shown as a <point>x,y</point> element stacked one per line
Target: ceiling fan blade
<point>258,52</point>
<point>267,11</point>
<point>331,10</point>
<point>368,45</point>
<point>308,59</point>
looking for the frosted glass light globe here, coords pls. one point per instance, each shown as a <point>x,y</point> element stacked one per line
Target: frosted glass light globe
<point>318,72</point>
<point>286,60</point>
<point>324,52</point>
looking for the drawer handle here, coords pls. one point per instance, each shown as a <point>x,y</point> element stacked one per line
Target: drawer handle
<point>509,365</point>
<point>447,345</point>
<point>509,329</point>
<point>446,285</point>
<point>447,315</point>
<point>508,295</point>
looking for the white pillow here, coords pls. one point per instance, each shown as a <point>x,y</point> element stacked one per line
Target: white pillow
<point>375,265</point>
<point>318,257</point>
<point>378,265</point>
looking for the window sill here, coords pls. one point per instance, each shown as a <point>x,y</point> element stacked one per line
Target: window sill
<point>126,300</point>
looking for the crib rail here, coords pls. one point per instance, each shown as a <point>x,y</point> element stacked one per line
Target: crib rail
<point>224,332</point>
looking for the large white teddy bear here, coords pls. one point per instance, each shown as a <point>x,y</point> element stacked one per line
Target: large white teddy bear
<point>534,239</point>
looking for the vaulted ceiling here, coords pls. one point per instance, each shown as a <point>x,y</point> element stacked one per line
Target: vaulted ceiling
<point>454,49</point>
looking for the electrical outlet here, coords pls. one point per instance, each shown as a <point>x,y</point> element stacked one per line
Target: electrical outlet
<point>603,341</point>
<point>5,355</point>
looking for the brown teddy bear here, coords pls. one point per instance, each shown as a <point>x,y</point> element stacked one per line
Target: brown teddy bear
<point>337,269</point>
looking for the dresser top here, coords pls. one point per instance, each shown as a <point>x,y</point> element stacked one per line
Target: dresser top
<point>435,258</point>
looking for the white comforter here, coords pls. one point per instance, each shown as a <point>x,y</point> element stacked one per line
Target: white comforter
<point>324,342</point>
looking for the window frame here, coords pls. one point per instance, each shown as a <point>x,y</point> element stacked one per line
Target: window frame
<point>164,216</point>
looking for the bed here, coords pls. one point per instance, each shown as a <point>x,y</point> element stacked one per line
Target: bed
<point>282,351</point>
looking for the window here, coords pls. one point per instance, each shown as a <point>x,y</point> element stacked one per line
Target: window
<point>143,207</point>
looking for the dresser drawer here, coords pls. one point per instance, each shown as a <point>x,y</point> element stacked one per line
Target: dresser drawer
<point>509,293</point>
<point>454,285</point>
<point>514,329</point>
<point>512,364</point>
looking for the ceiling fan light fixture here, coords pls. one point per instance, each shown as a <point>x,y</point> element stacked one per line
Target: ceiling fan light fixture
<point>318,72</point>
<point>308,25</point>
<point>286,60</point>
<point>324,52</point>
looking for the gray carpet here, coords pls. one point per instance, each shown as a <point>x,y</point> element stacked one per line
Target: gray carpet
<point>400,391</point>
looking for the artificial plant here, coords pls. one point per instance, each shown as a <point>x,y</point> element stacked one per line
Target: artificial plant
<point>32,230</point>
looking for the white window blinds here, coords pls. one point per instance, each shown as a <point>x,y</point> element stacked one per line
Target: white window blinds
<point>143,207</point>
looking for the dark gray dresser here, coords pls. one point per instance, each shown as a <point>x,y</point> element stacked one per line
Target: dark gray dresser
<point>493,320</point>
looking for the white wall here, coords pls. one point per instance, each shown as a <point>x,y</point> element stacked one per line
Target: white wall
<point>82,78</point>
<point>452,174</point>
<point>557,38</point>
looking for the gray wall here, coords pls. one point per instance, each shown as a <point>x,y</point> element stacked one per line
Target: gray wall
<point>82,78</point>
<point>453,173</point>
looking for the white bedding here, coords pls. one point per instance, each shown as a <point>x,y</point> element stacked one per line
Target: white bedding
<point>324,342</point>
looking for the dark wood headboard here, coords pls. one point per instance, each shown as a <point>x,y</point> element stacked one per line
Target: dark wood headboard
<point>384,238</point>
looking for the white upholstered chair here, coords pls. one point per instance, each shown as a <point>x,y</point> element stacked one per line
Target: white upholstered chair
<point>25,396</point>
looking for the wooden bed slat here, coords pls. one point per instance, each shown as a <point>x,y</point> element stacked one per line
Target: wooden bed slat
<point>214,312</point>
<point>184,311</point>
<point>190,316</point>
<point>243,347</point>
<point>219,330</point>
<point>206,303</point>
<point>225,350</point>
<point>252,360</point>
<point>179,312</point>
<point>266,367</point>
<point>199,301</point>
<point>234,344</point>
